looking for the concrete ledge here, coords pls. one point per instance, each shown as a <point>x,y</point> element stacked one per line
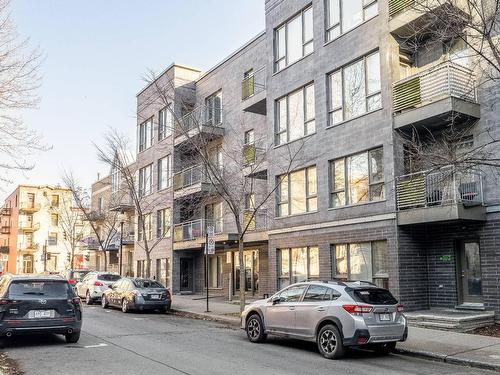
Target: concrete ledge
<point>232,321</point>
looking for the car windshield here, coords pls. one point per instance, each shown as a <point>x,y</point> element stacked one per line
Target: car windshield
<point>51,289</point>
<point>147,284</point>
<point>79,275</point>
<point>375,296</point>
<point>108,277</point>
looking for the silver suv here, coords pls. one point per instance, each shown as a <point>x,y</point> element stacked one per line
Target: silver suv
<point>334,314</point>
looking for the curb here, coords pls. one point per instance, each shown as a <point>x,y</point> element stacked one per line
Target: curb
<point>206,316</point>
<point>447,359</point>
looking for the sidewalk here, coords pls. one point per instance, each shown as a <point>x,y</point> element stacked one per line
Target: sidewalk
<point>457,348</point>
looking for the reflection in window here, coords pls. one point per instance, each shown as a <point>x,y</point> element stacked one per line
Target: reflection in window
<point>344,15</point>
<point>297,264</point>
<point>297,192</point>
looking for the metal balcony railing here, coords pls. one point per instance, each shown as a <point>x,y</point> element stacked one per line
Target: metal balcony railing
<point>5,229</point>
<point>29,206</point>
<point>5,211</point>
<point>190,176</point>
<point>199,117</point>
<point>398,6</point>
<point>253,84</point>
<point>447,79</point>
<point>31,246</point>
<point>28,226</point>
<point>191,230</point>
<point>256,223</point>
<point>442,187</point>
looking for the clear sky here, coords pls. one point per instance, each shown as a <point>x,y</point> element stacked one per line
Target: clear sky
<point>96,53</point>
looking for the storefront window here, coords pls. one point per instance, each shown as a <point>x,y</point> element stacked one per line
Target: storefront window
<point>302,263</point>
<point>251,261</point>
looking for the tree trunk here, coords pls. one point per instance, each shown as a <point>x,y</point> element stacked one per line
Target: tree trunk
<point>242,273</point>
<point>148,264</point>
<point>105,260</point>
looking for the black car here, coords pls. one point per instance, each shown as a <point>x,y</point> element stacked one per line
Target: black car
<point>137,294</point>
<point>39,305</point>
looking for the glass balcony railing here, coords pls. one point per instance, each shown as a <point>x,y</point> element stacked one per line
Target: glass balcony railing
<point>256,222</point>
<point>253,84</point>
<point>190,176</point>
<point>201,116</point>
<point>194,229</point>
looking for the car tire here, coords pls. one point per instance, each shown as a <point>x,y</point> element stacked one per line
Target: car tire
<point>165,310</point>
<point>72,338</point>
<point>88,299</point>
<point>255,329</point>
<point>329,341</point>
<point>125,308</point>
<point>385,348</point>
<point>104,302</point>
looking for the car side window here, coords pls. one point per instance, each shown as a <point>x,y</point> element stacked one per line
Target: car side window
<point>293,293</point>
<point>317,293</point>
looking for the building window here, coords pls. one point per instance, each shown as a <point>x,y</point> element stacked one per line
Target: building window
<point>142,268</point>
<point>355,89</point>
<point>366,261</point>
<point>297,192</point>
<point>297,264</point>
<point>113,257</point>
<point>145,180</point>
<point>148,228</point>
<point>164,172</point>
<point>100,205</point>
<point>295,115</point>
<point>344,15</point>
<point>163,223</point>
<point>54,200</point>
<point>52,239</point>
<point>215,275</point>
<point>249,137</point>
<point>115,180</point>
<point>27,263</point>
<point>357,178</point>
<point>54,220</point>
<point>294,39</point>
<point>213,105</point>
<point>146,134</point>
<point>165,123</point>
<point>163,271</point>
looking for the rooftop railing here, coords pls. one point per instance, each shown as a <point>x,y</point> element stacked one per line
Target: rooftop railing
<point>253,84</point>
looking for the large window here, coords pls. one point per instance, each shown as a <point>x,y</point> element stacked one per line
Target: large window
<point>294,39</point>
<point>165,123</point>
<point>297,264</point>
<point>52,239</point>
<point>147,226</point>
<point>163,271</point>
<point>357,178</point>
<point>115,180</point>
<point>213,105</point>
<point>344,15</point>
<point>355,89</point>
<point>145,180</point>
<point>146,134</point>
<point>366,261</point>
<point>163,223</point>
<point>297,192</point>
<point>164,172</point>
<point>295,115</point>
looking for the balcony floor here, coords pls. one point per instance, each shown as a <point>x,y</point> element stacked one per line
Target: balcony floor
<point>441,213</point>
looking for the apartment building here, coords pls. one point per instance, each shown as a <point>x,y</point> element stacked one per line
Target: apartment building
<point>335,79</point>
<point>41,231</point>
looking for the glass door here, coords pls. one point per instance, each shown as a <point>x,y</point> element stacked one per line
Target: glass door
<point>469,272</point>
<point>251,269</point>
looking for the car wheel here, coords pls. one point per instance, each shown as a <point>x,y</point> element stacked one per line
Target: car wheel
<point>255,329</point>
<point>385,348</point>
<point>104,302</point>
<point>125,307</point>
<point>330,343</point>
<point>88,300</point>
<point>72,338</point>
<point>165,310</point>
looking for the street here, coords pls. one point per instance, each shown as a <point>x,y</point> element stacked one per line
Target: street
<point>140,343</point>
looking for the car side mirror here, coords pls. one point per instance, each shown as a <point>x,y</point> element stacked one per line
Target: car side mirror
<point>275,300</point>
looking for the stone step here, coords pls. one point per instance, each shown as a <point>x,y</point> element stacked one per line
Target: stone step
<point>451,321</point>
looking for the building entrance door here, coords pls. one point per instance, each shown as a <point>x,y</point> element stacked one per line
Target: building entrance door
<point>186,274</point>
<point>469,272</point>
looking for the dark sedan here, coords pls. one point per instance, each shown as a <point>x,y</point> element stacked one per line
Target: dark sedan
<point>137,294</point>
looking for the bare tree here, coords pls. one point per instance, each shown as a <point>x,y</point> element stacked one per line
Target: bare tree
<point>103,223</point>
<point>19,81</point>
<point>114,153</point>
<point>235,168</point>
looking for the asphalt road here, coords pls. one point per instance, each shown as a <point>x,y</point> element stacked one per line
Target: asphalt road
<point>139,343</point>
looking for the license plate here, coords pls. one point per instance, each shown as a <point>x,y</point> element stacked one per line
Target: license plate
<point>41,314</point>
<point>155,296</point>
<point>385,317</point>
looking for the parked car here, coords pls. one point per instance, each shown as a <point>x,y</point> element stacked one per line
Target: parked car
<point>334,314</point>
<point>94,284</point>
<point>137,294</point>
<point>39,305</point>
<point>74,276</point>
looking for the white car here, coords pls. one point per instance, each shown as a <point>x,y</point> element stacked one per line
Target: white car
<point>94,284</point>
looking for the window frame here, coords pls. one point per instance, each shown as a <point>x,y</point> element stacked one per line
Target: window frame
<point>290,271</point>
<point>367,95</point>
<point>159,173</point>
<point>161,223</point>
<point>333,190</point>
<point>164,131</point>
<point>308,197</point>
<point>143,144</point>
<point>144,190</point>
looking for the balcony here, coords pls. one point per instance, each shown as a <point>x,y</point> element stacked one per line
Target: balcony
<point>28,246</point>
<point>409,18</point>
<point>191,180</point>
<point>5,229</point>
<point>95,216</point>
<point>191,234</point>
<point>435,97</point>
<point>440,196</point>
<point>28,226</point>
<point>254,162</point>
<point>29,207</point>
<point>121,203</point>
<point>5,211</point>
<point>253,92</point>
<point>4,250</point>
<point>203,121</point>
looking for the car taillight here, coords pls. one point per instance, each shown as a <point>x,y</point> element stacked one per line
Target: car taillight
<point>72,281</point>
<point>357,309</point>
<point>5,301</point>
<point>76,301</point>
<point>400,308</point>
<point>98,283</point>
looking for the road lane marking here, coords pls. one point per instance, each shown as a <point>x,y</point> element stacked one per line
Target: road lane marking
<point>96,346</point>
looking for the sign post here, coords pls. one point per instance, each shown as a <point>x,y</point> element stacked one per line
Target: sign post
<point>209,249</point>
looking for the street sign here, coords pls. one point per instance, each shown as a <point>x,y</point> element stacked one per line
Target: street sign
<point>210,240</point>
